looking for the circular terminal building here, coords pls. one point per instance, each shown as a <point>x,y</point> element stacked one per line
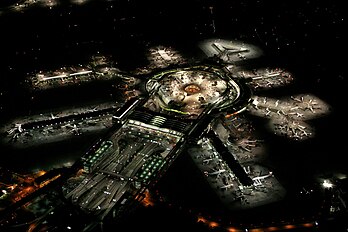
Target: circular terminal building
<point>189,91</point>
<point>149,135</point>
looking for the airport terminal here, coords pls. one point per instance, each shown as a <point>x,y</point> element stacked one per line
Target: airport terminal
<point>210,137</point>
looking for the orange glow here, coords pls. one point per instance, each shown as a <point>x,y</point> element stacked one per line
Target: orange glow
<point>230,115</point>
<point>80,172</point>
<point>256,230</point>
<point>31,227</point>
<point>201,219</point>
<point>40,173</point>
<point>308,225</point>
<point>147,200</point>
<point>289,227</point>
<point>50,180</point>
<point>231,229</point>
<point>213,224</point>
<point>23,193</point>
<point>12,187</point>
<point>192,89</point>
<point>272,228</point>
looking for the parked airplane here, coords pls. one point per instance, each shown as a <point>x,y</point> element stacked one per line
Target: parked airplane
<point>263,177</point>
<point>17,128</point>
<point>207,161</point>
<point>226,186</point>
<point>218,172</point>
<point>53,116</point>
<point>297,99</point>
<point>74,129</point>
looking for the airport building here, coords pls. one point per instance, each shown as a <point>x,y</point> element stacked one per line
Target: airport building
<point>150,132</point>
